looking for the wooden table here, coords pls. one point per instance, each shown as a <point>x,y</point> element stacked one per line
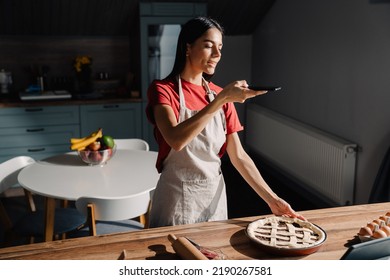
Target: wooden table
<point>67,177</point>
<point>341,225</point>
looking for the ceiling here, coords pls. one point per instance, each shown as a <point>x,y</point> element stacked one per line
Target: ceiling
<point>113,17</point>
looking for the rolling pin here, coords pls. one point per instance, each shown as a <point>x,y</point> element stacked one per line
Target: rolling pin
<point>185,249</point>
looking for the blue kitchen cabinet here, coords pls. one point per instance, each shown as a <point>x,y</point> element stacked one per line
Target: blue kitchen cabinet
<point>39,132</point>
<point>119,120</point>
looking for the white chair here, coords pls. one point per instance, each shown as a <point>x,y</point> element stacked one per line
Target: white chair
<point>9,171</point>
<point>112,210</point>
<point>32,224</point>
<point>114,215</point>
<point>132,144</point>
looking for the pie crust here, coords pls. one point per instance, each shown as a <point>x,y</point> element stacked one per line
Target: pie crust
<point>285,233</point>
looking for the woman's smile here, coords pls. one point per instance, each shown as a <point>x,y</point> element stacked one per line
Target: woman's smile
<point>212,63</point>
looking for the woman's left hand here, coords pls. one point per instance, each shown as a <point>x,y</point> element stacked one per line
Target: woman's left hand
<point>281,208</point>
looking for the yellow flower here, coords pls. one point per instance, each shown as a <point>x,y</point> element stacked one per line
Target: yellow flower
<point>80,61</point>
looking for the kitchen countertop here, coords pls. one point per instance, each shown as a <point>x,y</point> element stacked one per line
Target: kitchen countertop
<point>8,102</point>
<point>340,223</point>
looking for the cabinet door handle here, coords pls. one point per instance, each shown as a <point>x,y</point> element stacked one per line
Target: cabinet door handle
<point>111,106</point>
<point>35,129</point>
<point>36,150</point>
<point>33,109</point>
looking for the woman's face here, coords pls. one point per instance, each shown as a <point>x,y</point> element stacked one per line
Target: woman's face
<point>204,54</point>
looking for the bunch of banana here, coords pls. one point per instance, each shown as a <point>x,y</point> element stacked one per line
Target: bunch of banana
<point>81,143</point>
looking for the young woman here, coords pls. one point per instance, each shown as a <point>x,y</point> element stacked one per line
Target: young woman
<point>195,123</point>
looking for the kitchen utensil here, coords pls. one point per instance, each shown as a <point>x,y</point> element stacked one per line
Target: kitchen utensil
<point>185,249</point>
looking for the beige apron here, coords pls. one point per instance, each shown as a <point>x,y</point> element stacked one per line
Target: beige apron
<point>191,188</point>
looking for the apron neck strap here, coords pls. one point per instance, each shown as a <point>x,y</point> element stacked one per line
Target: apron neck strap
<point>210,93</point>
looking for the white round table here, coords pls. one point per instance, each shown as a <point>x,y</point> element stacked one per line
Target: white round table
<point>67,177</point>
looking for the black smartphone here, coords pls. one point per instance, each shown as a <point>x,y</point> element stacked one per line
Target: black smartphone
<point>268,88</point>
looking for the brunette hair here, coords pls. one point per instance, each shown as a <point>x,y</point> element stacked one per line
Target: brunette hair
<point>189,33</point>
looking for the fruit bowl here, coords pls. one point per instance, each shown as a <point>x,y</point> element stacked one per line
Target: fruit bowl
<point>99,157</point>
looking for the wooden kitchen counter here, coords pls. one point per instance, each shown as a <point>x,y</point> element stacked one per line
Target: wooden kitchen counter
<point>341,225</point>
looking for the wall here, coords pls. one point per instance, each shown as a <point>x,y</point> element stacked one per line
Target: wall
<point>235,64</point>
<point>332,59</point>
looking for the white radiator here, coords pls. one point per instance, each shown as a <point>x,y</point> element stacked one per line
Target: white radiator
<point>324,163</point>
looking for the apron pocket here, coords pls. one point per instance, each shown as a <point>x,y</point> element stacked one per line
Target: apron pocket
<point>204,200</point>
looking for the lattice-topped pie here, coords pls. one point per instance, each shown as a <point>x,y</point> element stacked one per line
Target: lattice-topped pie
<point>285,233</point>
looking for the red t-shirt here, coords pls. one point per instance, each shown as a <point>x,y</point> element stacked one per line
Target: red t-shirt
<point>166,92</point>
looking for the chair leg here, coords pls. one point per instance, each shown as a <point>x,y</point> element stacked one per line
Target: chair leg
<point>49,218</point>
<point>91,220</point>
<point>142,219</point>
<point>147,215</point>
<point>64,203</point>
<point>30,200</point>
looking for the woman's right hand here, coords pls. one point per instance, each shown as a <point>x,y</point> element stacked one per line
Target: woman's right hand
<point>238,91</point>
<point>281,208</point>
